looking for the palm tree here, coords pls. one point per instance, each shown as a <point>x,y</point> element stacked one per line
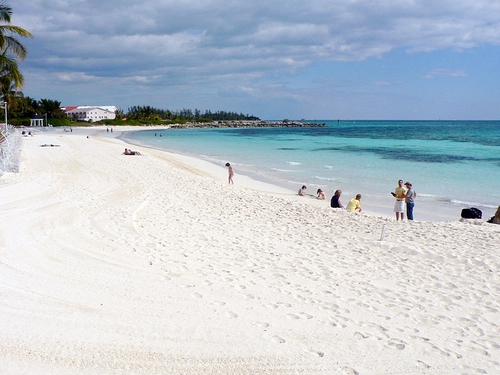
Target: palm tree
<point>11,50</point>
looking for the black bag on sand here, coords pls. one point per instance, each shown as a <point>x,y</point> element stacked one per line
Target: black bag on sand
<point>472,213</point>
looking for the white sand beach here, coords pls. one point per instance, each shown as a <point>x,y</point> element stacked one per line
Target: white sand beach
<point>153,264</point>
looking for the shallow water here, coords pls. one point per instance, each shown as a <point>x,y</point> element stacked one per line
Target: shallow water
<point>452,164</point>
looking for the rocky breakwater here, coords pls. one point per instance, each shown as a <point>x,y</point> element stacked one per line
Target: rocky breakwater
<point>246,124</point>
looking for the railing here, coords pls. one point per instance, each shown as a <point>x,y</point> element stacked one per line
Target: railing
<point>10,142</point>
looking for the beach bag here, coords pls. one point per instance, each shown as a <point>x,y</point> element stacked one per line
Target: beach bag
<point>472,213</point>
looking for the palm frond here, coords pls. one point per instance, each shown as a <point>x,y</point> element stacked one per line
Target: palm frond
<point>5,12</point>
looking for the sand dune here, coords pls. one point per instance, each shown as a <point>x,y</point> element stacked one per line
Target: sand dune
<point>153,264</point>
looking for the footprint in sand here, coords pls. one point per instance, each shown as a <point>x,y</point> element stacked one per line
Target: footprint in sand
<point>315,352</point>
<point>475,369</point>
<point>231,315</point>
<point>360,335</point>
<point>292,316</point>
<point>478,350</point>
<point>278,340</point>
<point>261,324</point>
<point>396,344</point>
<point>303,315</point>
<point>348,371</point>
<point>422,364</point>
<point>196,295</point>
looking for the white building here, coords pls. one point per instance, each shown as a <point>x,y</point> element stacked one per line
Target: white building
<point>89,113</point>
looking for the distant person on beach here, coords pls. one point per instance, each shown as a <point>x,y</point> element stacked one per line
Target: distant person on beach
<point>495,219</point>
<point>302,190</point>
<point>321,194</point>
<point>130,152</point>
<point>49,145</point>
<point>335,202</point>
<point>354,204</point>
<point>409,196</point>
<point>399,205</point>
<point>230,172</point>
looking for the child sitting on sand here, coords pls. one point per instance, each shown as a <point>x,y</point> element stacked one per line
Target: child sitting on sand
<point>321,194</point>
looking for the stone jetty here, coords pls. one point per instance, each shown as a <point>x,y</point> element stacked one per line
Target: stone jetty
<point>246,124</point>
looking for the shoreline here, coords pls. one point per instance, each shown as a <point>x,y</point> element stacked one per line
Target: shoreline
<point>151,265</point>
<point>428,208</point>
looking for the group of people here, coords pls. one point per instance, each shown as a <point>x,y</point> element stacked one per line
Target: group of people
<point>353,205</point>
<point>404,194</point>
<point>405,197</point>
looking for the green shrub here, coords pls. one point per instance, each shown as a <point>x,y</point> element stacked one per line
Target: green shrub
<point>59,121</point>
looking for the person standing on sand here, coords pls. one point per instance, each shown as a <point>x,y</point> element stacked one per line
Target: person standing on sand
<point>354,204</point>
<point>230,172</point>
<point>409,196</point>
<point>399,205</point>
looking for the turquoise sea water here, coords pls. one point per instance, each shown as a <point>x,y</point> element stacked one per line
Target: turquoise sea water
<point>452,164</point>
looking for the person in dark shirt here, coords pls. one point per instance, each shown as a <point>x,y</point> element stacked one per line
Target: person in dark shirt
<point>335,202</point>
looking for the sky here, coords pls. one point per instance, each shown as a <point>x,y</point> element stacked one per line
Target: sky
<point>274,59</point>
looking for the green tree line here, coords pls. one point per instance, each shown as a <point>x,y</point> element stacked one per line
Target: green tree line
<point>25,107</point>
<point>148,113</point>
<point>21,109</point>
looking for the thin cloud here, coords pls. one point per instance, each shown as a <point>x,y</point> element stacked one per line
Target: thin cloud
<point>165,43</point>
<point>159,31</point>
<point>440,72</point>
